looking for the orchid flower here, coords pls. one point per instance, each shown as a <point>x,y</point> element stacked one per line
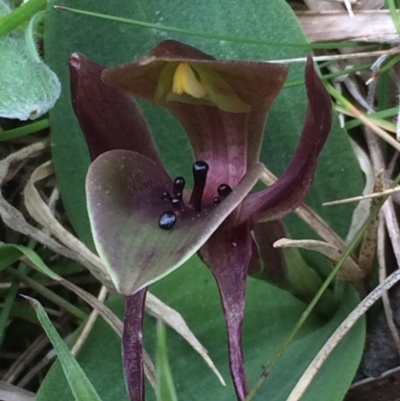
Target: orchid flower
<point>145,224</point>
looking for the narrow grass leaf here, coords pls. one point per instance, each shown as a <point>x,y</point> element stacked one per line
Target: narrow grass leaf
<point>24,130</point>
<point>10,253</point>
<point>307,312</point>
<point>80,385</point>
<point>165,383</point>
<point>209,35</point>
<point>391,5</point>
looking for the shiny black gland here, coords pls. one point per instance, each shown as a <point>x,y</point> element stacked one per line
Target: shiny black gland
<point>224,190</point>
<point>179,185</point>
<point>167,220</point>
<point>200,170</point>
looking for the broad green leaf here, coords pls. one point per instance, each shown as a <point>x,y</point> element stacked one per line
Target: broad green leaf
<point>269,317</point>
<point>10,253</point>
<point>111,43</point>
<point>80,385</point>
<point>165,382</point>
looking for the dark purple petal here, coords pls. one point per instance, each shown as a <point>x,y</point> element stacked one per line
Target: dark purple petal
<point>109,118</point>
<point>125,202</point>
<point>217,137</point>
<point>289,191</point>
<point>228,254</point>
<point>172,50</point>
<point>132,347</point>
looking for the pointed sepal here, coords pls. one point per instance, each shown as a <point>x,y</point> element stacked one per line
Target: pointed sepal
<point>288,192</point>
<point>228,254</point>
<point>109,118</point>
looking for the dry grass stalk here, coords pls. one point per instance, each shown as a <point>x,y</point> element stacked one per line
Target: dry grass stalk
<point>310,217</point>
<point>349,271</point>
<point>314,367</point>
<point>374,195</point>
<point>382,276</point>
<point>9,392</point>
<point>368,244</point>
<point>89,323</point>
<point>374,26</point>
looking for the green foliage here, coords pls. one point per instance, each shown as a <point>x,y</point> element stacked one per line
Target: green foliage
<point>80,385</point>
<point>269,317</point>
<point>270,313</point>
<point>10,253</point>
<point>24,130</point>
<point>165,382</point>
<point>18,16</point>
<point>29,87</point>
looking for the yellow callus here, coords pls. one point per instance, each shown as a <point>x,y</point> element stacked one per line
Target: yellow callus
<point>194,83</point>
<point>186,81</point>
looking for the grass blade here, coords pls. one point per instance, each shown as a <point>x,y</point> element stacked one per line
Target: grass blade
<point>165,383</point>
<point>80,385</point>
<point>24,130</point>
<point>10,253</point>
<point>209,35</point>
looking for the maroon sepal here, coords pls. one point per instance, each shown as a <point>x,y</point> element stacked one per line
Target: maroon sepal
<point>228,254</point>
<point>288,192</point>
<point>109,118</point>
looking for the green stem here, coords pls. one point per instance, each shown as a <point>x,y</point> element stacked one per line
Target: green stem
<point>7,306</point>
<point>353,244</point>
<point>330,76</point>
<point>379,117</point>
<point>167,28</point>
<point>50,295</point>
<point>390,63</point>
<point>24,130</point>
<point>11,295</point>
<point>21,14</point>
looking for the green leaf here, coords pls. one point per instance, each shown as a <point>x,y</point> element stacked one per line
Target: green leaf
<point>110,43</point>
<point>80,385</point>
<point>29,87</point>
<point>10,253</point>
<point>270,315</point>
<point>165,382</point>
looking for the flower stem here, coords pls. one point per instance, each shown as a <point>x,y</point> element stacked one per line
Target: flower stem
<point>353,244</point>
